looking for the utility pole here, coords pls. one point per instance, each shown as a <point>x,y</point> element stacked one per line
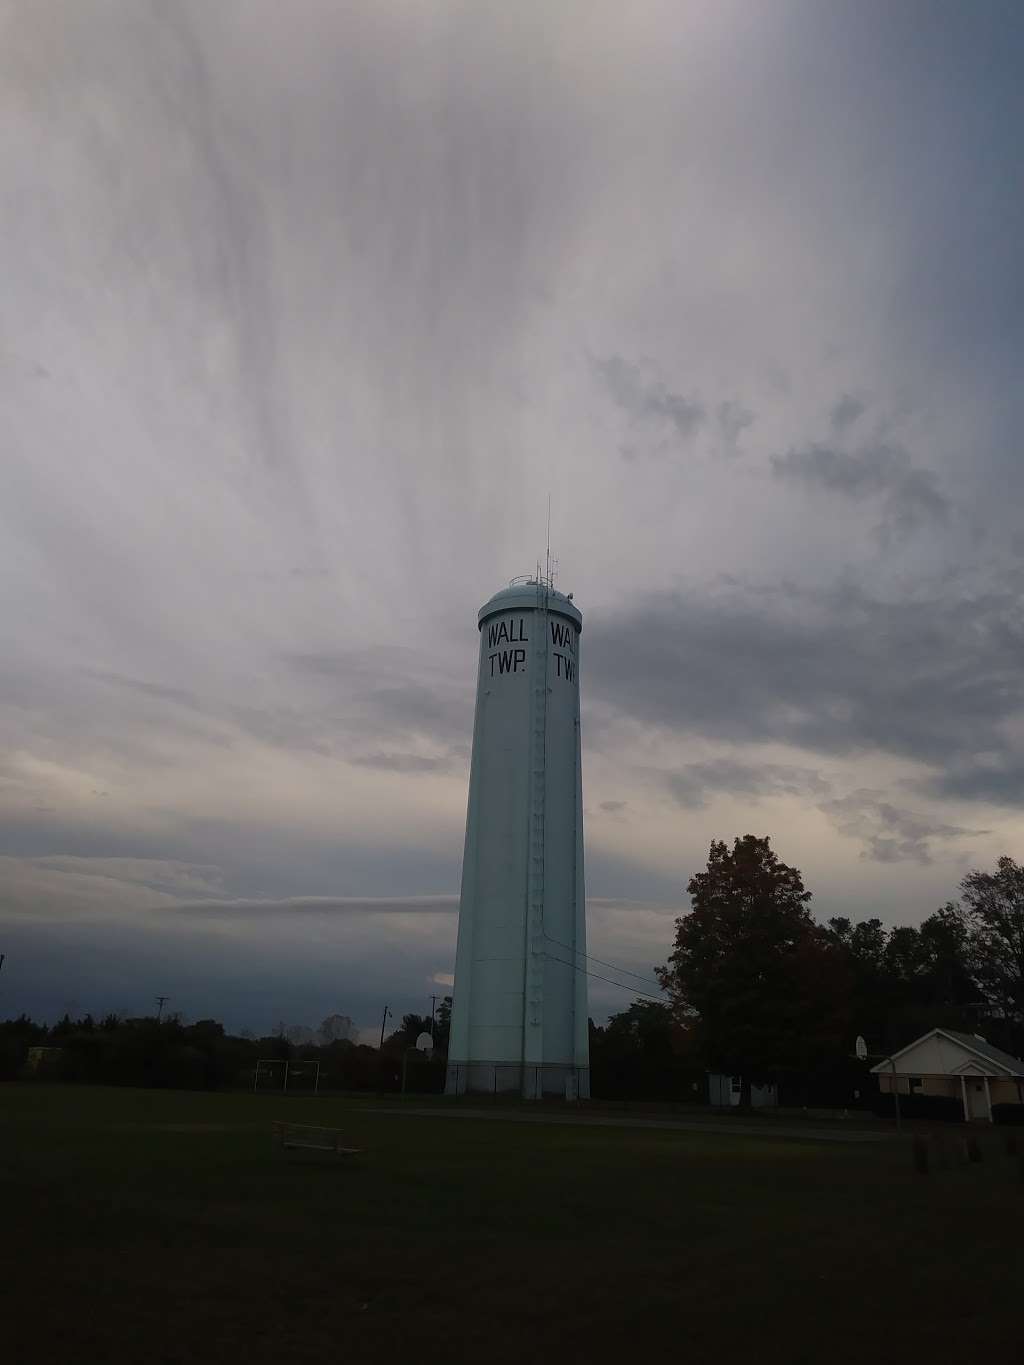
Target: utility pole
<point>383,1023</point>
<point>161,1001</point>
<point>433,1007</point>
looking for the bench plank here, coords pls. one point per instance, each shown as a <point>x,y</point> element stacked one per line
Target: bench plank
<point>310,1137</point>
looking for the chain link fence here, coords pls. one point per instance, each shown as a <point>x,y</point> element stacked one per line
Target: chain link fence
<point>549,1080</point>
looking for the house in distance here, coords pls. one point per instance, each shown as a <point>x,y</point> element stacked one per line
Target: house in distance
<point>962,1066</point>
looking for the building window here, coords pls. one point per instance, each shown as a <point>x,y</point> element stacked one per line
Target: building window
<point>737,1084</point>
<point>915,1083</point>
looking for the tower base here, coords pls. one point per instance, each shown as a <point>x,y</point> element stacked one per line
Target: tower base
<point>549,1080</point>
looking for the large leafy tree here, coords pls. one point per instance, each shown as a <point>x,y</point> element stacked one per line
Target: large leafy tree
<point>908,979</point>
<point>993,905</point>
<point>754,981</point>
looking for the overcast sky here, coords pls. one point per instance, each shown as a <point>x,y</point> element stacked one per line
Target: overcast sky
<point>307,307</point>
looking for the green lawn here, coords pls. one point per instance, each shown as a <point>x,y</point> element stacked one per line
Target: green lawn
<point>145,1226</point>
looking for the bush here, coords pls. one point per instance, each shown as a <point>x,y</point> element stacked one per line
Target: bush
<point>1008,1113</point>
<point>943,1107</point>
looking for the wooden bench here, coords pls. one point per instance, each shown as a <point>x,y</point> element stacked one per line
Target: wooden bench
<point>306,1137</point>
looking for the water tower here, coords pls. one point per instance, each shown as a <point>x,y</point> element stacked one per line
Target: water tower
<point>519,1016</point>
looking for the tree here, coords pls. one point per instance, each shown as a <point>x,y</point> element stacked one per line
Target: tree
<point>754,982</point>
<point>994,910</point>
<point>637,1056</point>
<point>408,1031</point>
<point>443,1025</point>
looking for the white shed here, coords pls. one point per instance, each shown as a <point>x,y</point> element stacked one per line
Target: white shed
<point>726,1091</point>
<point>963,1066</point>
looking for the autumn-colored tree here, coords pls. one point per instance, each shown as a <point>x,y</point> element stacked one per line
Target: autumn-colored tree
<point>755,982</point>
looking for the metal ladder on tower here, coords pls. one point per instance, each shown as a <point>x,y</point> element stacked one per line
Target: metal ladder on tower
<point>533,1033</point>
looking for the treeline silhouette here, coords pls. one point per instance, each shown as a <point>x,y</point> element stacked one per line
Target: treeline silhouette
<point>168,1053</point>
<point>755,988</point>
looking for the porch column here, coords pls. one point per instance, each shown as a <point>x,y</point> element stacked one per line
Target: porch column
<point>963,1100</point>
<point>988,1100</point>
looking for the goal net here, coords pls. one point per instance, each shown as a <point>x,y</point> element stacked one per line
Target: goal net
<point>300,1078</point>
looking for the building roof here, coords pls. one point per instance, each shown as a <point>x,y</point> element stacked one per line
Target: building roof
<point>970,1042</point>
<point>994,1054</point>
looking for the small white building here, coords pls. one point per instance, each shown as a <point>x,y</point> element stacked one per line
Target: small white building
<point>961,1066</point>
<point>725,1091</point>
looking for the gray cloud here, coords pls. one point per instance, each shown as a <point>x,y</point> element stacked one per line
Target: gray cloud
<point>733,419</point>
<point>908,496</point>
<point>285,406</point>
<point>648,400</point>
<point>935,678</point>
<point>409,763</point>
<point>692,785</point>
<point>318,905</point>
<point>846,411</point>
<point>890,834</point>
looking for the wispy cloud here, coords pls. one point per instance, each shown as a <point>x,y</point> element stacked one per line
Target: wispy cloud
<point>695,783</point>
<point>890,833</point>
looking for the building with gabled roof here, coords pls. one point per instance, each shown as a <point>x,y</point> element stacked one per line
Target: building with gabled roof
<point>963,1066</point>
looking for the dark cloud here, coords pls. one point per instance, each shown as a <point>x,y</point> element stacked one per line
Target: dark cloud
<point>648,400</point>
<point>846,411</point>
<point>890,834</point>
<point>996,775</point>
<point>909,497</point>
<point>934,678</point>
<point>733,420</point>
<point>692,784</point>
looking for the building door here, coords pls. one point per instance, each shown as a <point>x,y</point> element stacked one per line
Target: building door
<point>976,1099</point>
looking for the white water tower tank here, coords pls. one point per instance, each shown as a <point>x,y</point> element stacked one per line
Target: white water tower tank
<point>519,1014</point>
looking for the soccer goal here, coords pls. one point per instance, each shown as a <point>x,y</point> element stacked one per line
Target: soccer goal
<point>300,1078</point>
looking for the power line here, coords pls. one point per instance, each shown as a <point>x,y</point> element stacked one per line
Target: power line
<point>647,980</point>
<point>598,977</point>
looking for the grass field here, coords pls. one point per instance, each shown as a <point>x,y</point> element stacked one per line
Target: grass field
<point>145,1226</point>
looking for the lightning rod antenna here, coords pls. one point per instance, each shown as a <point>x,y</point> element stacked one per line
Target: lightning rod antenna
<point>547,561</point>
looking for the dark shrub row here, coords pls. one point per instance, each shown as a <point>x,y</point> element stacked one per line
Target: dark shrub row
<point>942,1107</point>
